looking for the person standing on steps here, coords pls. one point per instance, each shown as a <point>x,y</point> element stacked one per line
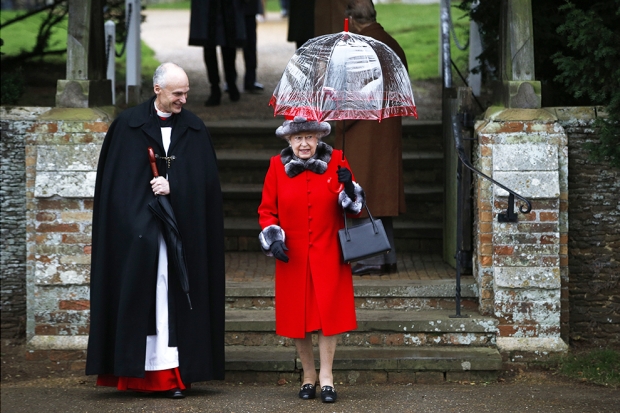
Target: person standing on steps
<point>300,216</point>
<point>374,150</point>
<point>218,23</point>
<point>300,21</point>
<point>329,16</point>
<point>311,18</point>
<point>144,335</point>
<point>251,9</point>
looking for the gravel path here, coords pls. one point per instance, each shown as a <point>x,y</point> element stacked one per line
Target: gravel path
<point>80,395</point>
<point>167,33</point>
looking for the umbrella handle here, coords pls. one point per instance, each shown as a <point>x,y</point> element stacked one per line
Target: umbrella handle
<point>333,185</point>
<point>152,162</point>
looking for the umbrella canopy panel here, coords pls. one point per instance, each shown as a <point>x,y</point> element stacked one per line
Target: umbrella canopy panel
<point>344,76</point>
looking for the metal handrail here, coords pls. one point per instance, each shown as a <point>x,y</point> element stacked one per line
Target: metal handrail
<point>510,215</point>
<point>458,141</point>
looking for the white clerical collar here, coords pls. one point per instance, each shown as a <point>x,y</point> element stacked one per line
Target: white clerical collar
<point>160,113</point>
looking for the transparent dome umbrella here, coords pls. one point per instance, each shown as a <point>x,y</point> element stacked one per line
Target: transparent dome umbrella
<point>344,76</point>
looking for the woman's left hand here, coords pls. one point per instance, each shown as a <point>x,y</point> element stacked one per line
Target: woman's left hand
<point>346,177</point>
<point>160,186</point>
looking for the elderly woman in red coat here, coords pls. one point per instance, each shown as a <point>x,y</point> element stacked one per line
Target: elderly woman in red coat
<point>300,216</point>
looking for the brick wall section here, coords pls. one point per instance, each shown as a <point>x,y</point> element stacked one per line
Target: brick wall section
<point>593,238</point>
<point>62,150</point>
<point>521,267</point>
<point>14,123</point>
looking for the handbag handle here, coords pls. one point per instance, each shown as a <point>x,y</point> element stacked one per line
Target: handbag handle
<point>346,228</point>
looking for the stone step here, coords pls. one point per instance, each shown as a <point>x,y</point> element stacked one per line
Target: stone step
<point>368,365</point>
<point>429,321</point>
<point>243,199</point>
<point>402,294</point>
<point>245,166</point>
<point>375,328</point>
<point>253,135</point>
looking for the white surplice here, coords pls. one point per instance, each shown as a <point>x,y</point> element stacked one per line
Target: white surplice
<point>158,355</point>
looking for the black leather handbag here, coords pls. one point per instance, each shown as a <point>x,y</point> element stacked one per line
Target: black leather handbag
<point>363,241</point>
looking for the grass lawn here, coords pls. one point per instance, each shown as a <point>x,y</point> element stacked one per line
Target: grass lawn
<point>601,366</point>
<point>22,36</point>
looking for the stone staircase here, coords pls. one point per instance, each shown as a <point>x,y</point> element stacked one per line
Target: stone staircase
<point>406,332</point>
<point>243,158</point>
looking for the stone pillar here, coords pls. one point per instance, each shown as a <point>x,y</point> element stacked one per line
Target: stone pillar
<point>62,152</point>
<point>522,267</point>
<point>86,84</point>
<point>517,87</point>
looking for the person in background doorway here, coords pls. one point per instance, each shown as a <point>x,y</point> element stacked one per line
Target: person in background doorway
<point>376,156</point>
<point>300,21</point>
<point>329,16</point>
<point>311,18</point>
<point>251,9</point>
<point>284,8</point>
<point>218,23</point>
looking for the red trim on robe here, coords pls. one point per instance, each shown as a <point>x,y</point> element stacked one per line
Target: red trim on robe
<point>159,380</point>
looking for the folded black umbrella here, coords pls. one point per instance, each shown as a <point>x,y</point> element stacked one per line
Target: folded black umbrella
<point>162,209</point>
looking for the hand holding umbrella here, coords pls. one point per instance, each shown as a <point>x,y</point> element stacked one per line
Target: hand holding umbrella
<point>162,209</point>
<point>345,177</point>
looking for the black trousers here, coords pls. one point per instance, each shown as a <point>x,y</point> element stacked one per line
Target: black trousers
<point>213,74</point>
<point>249,51</point>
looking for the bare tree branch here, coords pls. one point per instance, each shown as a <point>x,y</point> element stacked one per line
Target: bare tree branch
<point>32,13</point>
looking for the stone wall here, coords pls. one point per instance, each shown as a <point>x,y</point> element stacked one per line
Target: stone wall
<point>521,267</point>
<point>50,205</point>
<point>594,237</point>
<point>14,125</point>
<point>62,150</point>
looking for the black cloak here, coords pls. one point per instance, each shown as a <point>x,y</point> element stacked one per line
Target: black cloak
<point>217,23</point>
<point>125,248</point>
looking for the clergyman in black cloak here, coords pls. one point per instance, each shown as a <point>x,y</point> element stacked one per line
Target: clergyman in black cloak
<point>129,266</point>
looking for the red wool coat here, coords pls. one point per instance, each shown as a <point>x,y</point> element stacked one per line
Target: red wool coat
<point>310,216</point>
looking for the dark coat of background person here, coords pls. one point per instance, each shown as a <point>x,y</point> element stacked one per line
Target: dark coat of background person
<point>374,149</point>
<point>125,249</point>
<point>329,16</point>
<point>209,28</point>
<point>300,21</point>
<point>312,18</point>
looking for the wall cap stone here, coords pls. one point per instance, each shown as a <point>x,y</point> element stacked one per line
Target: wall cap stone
<point>500,114</point>
<point>22,113</point>
<point>39,342</point>
<point>99,114</point>
<point>531,344</point>
<point>577,113</point>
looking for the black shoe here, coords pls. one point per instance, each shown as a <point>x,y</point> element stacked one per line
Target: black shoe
<point>215,97</point>
<point>176,394</point>
<point>255,88</point>
<point>233,92</point>
<point>307,392</point>
<point>389,268</point>
<point>361,269</point>
<point>328,394</point>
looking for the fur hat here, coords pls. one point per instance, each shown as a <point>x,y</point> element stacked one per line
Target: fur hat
<point>301,124</point>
